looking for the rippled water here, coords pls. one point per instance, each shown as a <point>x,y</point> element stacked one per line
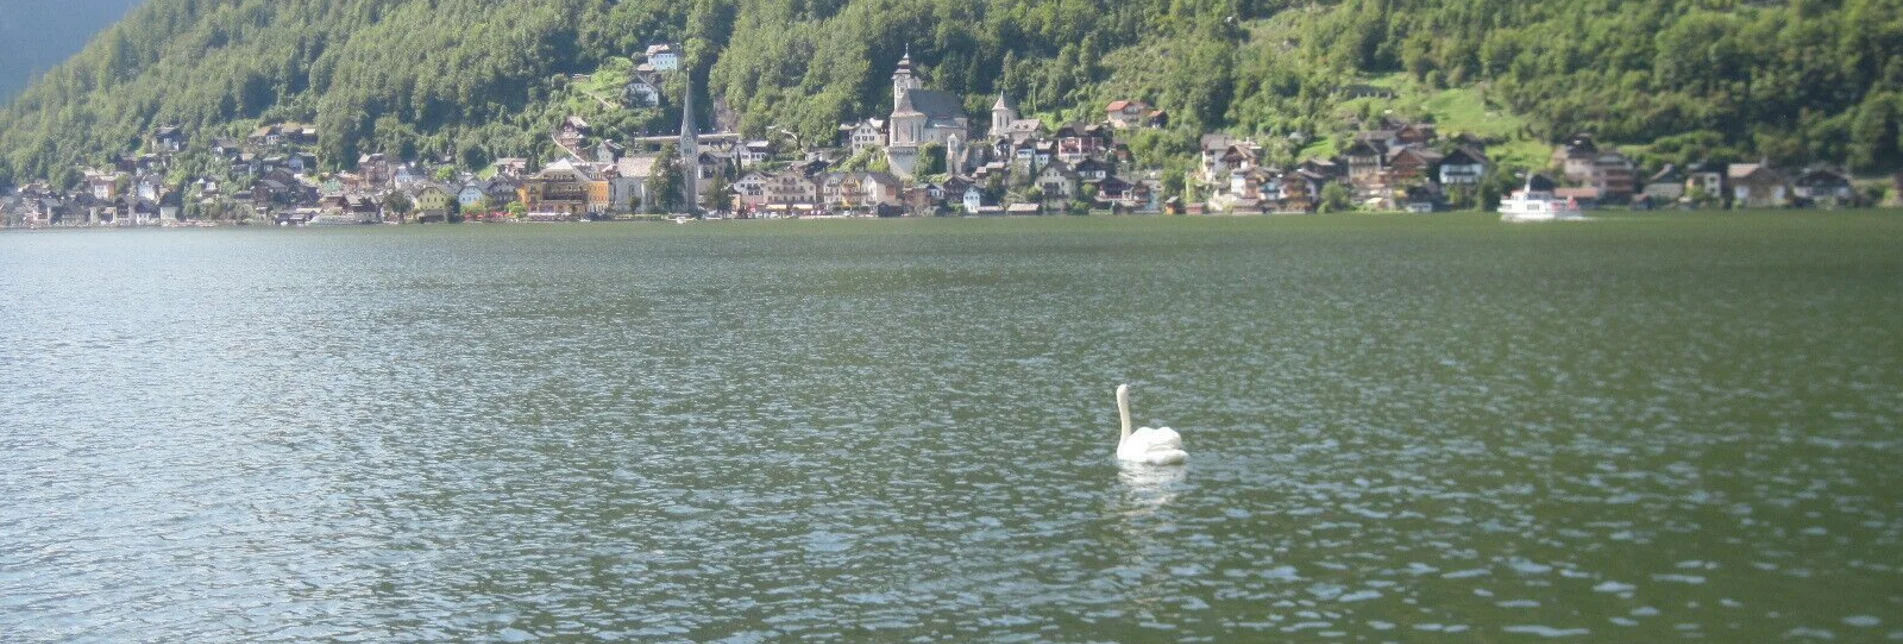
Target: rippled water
<point>1401,429</point>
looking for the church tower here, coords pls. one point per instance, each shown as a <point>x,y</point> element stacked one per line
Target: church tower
<point>690,151</point>
<point>902,80</point>
<point>1002,114</point>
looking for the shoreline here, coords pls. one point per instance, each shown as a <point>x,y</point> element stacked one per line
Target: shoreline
<point>1465,216</point>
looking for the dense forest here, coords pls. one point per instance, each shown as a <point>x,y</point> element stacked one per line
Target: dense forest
<point>472,80</point>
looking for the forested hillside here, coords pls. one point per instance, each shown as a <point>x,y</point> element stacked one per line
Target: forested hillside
<point>476,79</point>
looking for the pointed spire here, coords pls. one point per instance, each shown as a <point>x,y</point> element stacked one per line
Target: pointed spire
<point>690,150</point>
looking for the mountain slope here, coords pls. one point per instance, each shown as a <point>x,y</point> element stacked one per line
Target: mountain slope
<point>473,79</point>
<point>38,35</point>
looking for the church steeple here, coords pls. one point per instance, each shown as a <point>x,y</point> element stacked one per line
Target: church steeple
<point>903,80</point>
<point>690,151</point>
<point>1002,114</point>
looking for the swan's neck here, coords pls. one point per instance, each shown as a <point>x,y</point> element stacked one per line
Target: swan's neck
<point>1123,411</point>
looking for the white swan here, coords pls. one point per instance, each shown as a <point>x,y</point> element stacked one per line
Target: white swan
<point>1158,446</point>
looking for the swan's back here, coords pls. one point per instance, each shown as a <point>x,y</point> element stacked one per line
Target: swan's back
<point>1156,446</point>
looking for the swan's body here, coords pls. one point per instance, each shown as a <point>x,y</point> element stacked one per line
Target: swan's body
<point>1153,446</point>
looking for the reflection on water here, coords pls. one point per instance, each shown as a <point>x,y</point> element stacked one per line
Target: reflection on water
<point>1147,488</point>
<point>1405,430</point>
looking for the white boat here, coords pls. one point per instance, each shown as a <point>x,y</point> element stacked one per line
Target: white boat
<point>1527,204</point>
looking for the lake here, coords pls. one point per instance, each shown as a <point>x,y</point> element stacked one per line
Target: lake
<point>1400,429</point>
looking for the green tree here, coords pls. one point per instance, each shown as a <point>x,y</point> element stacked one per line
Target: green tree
<point>718,196</point>
<point>398,204</point>
<point>931,159</point>
<point>1336,198</point>
<point>665,187</point>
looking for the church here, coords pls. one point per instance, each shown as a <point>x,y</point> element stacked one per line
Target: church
<point>921,116</point>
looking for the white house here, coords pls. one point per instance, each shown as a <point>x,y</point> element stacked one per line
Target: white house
<point>664,57</point>
<point>755,153</point>
<point>642,92</point>
<point>472,195</point>
<point>869,133</point>
<point>974,199</point>
<point>1462,167</point>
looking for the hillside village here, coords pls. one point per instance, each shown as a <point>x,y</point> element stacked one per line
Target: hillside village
<point>927,157</point>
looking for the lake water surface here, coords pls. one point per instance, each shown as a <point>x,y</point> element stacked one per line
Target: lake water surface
<point>1405,429</point>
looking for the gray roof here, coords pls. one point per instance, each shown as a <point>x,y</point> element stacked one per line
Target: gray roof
<point>933,104</point>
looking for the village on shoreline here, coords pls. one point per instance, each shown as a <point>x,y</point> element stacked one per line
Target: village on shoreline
<point>925,159</point>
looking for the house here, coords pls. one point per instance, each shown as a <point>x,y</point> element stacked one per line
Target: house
<point>300,133</point>
<point>1218,163</point>
<point>171,207</point>
<point>1300,192</point>
<point>433,202</point>
<point>1124,115</point>
<point>1157,119</point>
<point>601,193</point>
<point>920,117</point>
<point>266,135</point>
<point>1463,166</point>
<point>869,133</point>
<point>1058,183</point>
<point>503,190</point>
<point>1415,134</point>
<point>1826,187</point>
<point>1574,159</point>
<point>1665,187</point>
<point>1075,142</point>
<point>791,188</point>
<point>1330,168</point>
<point>755,153</point>
<point>1421,199</point>
<point>1367,166</point>
<point>642,92</point>
<point>664,57</point>
<point>168,139</point>
<point>472,195</point>
<point>974,199</point>
<point>559,188</point>
<point>375,168</point>
<point>1023,209</point>
<point>882,188</point>
<point>607,151</point>
<point>1615,176</point>
<point>750,192</point>
<point>1412,164</point>
<point>102,186</point>
<point>1706,179</point>
<point>1756,185</point>
<point>574,129</point>
<point>1090,170</point>
<point>630,182</point>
